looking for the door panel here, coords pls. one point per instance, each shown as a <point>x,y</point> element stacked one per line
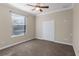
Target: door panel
<point>48,30</point>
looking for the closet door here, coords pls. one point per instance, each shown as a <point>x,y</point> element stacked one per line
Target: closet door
<point>48,30</point>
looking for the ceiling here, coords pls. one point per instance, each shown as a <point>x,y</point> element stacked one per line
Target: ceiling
<point>52,7</point>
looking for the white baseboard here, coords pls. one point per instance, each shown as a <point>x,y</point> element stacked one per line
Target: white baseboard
<point>63,43</point>
<point>75,51</point>
<point>57,42</point>
<point>15,44</point>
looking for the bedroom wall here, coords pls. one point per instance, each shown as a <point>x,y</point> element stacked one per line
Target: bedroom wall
<point>5,26</point>
<point>76,29</point>
<point>63,25</point>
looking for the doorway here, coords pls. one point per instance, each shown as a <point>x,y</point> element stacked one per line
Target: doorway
<point>48,30</point>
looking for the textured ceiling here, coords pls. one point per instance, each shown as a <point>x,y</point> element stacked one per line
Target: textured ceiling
<point>52,7</point>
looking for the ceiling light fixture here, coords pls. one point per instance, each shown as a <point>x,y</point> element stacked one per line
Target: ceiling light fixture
<point>37,9</point>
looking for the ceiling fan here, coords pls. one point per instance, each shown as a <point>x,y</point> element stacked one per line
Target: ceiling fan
<point>38,7</point>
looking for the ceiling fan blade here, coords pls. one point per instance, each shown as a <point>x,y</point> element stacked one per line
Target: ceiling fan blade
<point>30,5</point>
<point>38,6</point>
<point>44,6</point>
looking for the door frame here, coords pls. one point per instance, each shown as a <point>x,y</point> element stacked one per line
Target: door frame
<point>54,30</point>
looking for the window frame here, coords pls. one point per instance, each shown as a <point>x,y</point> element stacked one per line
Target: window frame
<point>22,34</point>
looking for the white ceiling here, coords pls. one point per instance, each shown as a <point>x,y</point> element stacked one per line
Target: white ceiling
<point>52,7</point>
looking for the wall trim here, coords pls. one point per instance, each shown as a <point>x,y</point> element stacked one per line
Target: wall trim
<point>63,43</point>
<point>75,50</point>
<point>15,44</point>
<point>56,41</point>
<point>64,9</point>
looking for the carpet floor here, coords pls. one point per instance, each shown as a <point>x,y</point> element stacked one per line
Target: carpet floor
<point>38,47</point>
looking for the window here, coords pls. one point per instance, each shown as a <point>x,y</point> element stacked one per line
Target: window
<point>18,24</point>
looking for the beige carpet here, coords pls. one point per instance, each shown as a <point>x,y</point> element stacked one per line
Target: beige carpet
<point>38,48</point>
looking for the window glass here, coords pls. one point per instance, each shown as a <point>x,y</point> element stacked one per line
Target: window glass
<point>18,24</point>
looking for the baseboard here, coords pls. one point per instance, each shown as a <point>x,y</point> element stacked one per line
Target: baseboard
<point>39,38</point>
<point>63,43</point>
<point>75,51</point>
<point>15,44</point>
<point>57,42</point>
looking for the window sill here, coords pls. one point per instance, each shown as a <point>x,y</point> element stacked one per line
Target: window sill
<point>17,35</point>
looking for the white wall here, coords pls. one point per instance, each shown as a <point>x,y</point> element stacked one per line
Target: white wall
<point>76,28</point>
<point>5,26</point>
<point>63,25</point>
